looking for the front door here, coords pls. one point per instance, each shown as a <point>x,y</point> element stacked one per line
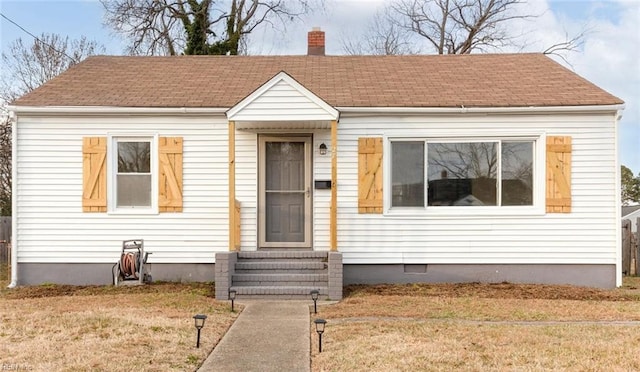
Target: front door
<point>285,192</point>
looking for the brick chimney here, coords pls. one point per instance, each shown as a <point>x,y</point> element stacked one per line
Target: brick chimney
<point>315,42</point>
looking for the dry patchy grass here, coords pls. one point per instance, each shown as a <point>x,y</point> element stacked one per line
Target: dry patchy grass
<point>453,346</point>
<point>5,275</point>
<point>478,327</point>
<point>147,328</point>
<point>492,327</point>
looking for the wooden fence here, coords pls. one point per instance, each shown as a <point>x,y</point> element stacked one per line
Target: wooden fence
<point>5,247</point>
<point>5,260</point>
<point>5,228</point>
<point>630,249</point>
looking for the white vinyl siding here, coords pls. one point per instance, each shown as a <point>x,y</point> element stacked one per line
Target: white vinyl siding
<point>586,235</point>
<point>321,198</point>
<point>247,188</point>
<point>282,102</point>
<point>51,226</point>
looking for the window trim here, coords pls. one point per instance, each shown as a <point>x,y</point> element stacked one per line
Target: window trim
<point>538,207</point>
<point>112,169</point>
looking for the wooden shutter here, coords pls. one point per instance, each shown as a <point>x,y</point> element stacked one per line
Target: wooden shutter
<point>170,174</point>
<point>370,175</point>
<point>558,195</point>
<point>94,174</point>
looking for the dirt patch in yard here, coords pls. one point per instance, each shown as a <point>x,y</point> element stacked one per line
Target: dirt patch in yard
<point>629,292</point>
<point>55,290</point>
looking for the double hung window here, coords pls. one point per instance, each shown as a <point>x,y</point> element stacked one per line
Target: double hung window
<point>133,178</point>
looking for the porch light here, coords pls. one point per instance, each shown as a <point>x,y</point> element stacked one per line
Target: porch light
<point>322,149</point>
<point>232,297</point>
<point>320,323</point>
<point>199,319</point>
<point>314,296</point>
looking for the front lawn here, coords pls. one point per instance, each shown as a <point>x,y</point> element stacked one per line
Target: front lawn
<point>443,327</point>
<point>106,328</point>
<point>481,327</point>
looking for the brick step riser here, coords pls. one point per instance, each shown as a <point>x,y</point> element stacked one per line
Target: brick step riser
<point>250,275</point>
<point>303,277</point>
<point>281,266</point>
<point>303,291</point>
<point>282,255</point>
<point>281,271</point>
<point>280,275</point>
<point>284,297</point>
<point>280,284</point>
<point>271,259</point>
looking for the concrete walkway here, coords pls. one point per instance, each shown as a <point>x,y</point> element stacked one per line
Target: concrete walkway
<point>267,336</point>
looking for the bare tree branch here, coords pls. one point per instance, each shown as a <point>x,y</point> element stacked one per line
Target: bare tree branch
<point>450,27</point>
<point>382,37</point>
<point>570,44</point>
<point>26,67</point>
<point>150,24</point>
<point>458,26</point>
<point>5,166</point>
<point>196,26</point>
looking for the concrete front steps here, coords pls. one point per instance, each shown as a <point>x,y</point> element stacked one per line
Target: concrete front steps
<point>279,274</point>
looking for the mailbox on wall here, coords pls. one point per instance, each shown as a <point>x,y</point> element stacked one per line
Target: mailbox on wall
<point>322,184</point>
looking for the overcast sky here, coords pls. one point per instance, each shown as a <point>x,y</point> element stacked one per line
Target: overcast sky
<point>610,57</point>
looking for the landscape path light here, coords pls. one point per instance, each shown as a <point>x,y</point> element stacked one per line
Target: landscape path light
<point>314,296</point>
<point>320,323</point>
<point>199,319</point>
<point>232,297</point>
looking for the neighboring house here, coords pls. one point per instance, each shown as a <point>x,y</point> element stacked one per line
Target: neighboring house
<point>631,213</point>
<point>450,168</point>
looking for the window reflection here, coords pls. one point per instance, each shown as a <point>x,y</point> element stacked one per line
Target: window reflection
<point>486,173</point>
<point>462,174</point>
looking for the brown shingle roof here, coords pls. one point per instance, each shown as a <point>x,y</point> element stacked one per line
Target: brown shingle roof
<point>481,80</point>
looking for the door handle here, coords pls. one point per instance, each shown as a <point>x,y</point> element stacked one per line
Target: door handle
<point>307,192</point>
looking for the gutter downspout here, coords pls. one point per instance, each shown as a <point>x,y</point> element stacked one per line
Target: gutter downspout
<point>14,179</point>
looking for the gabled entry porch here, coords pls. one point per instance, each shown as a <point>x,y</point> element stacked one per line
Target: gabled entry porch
<point>281,139</point>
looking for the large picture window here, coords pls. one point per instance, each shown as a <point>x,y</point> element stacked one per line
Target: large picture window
<point>462,173</point>
<point>133,178</point>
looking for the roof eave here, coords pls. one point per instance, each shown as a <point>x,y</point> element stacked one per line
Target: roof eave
<point>609,108</point>
<point>112,110</point>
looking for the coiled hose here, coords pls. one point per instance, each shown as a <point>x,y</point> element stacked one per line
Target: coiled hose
<point>130,264</point>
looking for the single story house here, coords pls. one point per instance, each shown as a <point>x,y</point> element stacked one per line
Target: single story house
<point>631,213</point>
<point>379,169</point>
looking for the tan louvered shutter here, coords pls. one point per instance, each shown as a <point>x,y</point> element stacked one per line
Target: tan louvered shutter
<point>170,174</point>
<point>558,174</point>
<point>370,175</point>
<point>94,174</point>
